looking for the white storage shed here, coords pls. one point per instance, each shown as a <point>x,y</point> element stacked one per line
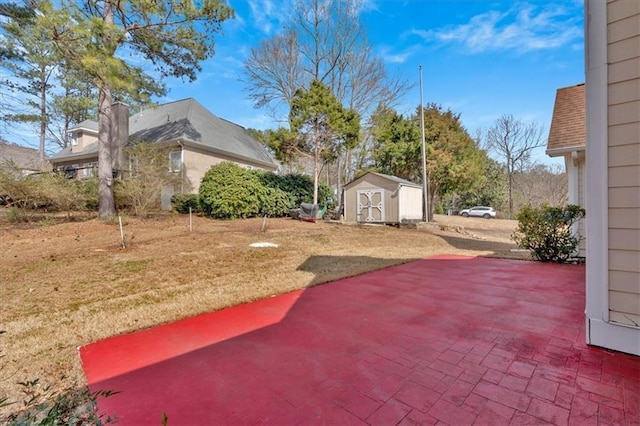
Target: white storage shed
<point>379,198</point>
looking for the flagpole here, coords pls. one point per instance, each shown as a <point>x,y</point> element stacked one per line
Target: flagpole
<point>425,199</point>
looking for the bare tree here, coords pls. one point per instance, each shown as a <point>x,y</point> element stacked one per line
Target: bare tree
<point>513,141</point>
<point>325,41</point>
<point>540,184</point>
<point>273,71</point>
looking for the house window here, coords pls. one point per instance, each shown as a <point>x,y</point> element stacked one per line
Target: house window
<point>74,139</point>
<point>175,161</point>
<point>90,169</point>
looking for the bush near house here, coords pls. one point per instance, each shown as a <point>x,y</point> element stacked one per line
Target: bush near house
<point>547,231</point>
<point>185,203</point>
<point>141,191</point>
<point>48,191</point>
<point>300,187</point>
<point>228,191</point>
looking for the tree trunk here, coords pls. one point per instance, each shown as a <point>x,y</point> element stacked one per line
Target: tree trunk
<point>316,160</point>
<point>43,115</point>
<point>106,201</point>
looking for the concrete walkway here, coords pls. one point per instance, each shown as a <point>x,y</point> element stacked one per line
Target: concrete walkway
<point>445,340</point>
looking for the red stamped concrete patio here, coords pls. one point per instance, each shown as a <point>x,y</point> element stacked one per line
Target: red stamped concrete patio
<point>445,340</point>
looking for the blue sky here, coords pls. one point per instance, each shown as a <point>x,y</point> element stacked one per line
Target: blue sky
<point>481,58</point>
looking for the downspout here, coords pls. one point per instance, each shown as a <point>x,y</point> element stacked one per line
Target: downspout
<point>181,167</point>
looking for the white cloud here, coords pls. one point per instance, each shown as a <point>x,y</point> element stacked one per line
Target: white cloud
<point>399,57</point>
<point>268,15</point>
<point>369,6</point>
<point>523,28</point>
<point>257,121</point>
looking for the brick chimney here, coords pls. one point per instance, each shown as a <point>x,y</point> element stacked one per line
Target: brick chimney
<point>120,135</point>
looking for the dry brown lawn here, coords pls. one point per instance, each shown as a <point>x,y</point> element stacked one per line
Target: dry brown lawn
<point>65,285</point>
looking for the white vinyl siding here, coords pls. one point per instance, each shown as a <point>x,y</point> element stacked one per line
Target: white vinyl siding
<point>409,203</point>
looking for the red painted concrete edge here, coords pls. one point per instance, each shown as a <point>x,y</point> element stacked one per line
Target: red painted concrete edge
<point>128,352</point>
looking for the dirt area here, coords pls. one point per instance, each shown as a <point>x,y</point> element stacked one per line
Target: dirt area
<point>65,285</point>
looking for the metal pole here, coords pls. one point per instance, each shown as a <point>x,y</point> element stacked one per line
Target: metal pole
<point>425,199</point>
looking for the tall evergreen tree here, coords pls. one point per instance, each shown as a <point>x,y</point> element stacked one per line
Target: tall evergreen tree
<point>29,57</point>
<point>453,160</point>
<point>100,37</point>
<point>323,126</point>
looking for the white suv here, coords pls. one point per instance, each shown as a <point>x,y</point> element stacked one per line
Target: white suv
<point>479,211</point>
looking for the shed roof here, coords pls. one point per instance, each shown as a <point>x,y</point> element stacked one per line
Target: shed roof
<point>395,179</point>
<point>568,131</point>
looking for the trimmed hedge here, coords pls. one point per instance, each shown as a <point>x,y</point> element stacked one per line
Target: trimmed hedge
<point>300,187</point>
<point>228,191</point>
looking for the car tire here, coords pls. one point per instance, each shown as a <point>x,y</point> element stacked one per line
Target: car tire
<point>486,216</point>
<point>465,214</point>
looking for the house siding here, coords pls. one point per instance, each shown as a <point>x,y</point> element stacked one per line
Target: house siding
<point>84,140</point>
<point>623,162</point>
<point>198,161</point>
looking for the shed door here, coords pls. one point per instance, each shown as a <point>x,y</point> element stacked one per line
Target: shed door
<point>370,206</point>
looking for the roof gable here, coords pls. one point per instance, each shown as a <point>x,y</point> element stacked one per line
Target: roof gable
<point>394,179</point>
<point>89,125</point>
<point>568,124</point>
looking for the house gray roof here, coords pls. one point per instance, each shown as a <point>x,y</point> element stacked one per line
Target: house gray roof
<point>20,156</point>
<point>90,151</point>
<point>189,122</point>
<point>86,124</point>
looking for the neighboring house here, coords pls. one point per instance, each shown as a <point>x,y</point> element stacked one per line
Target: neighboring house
<point>379,198</point>
<point>568,139</point>
<point>20,158</point>
<point>613,174</point>
<point>197,140</point>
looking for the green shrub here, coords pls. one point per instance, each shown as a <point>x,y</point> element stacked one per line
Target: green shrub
<point>299,187</point>
<point>183,202</point>
<point>227,191</point>
<point>275,202</point>
<point>547,231</point>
